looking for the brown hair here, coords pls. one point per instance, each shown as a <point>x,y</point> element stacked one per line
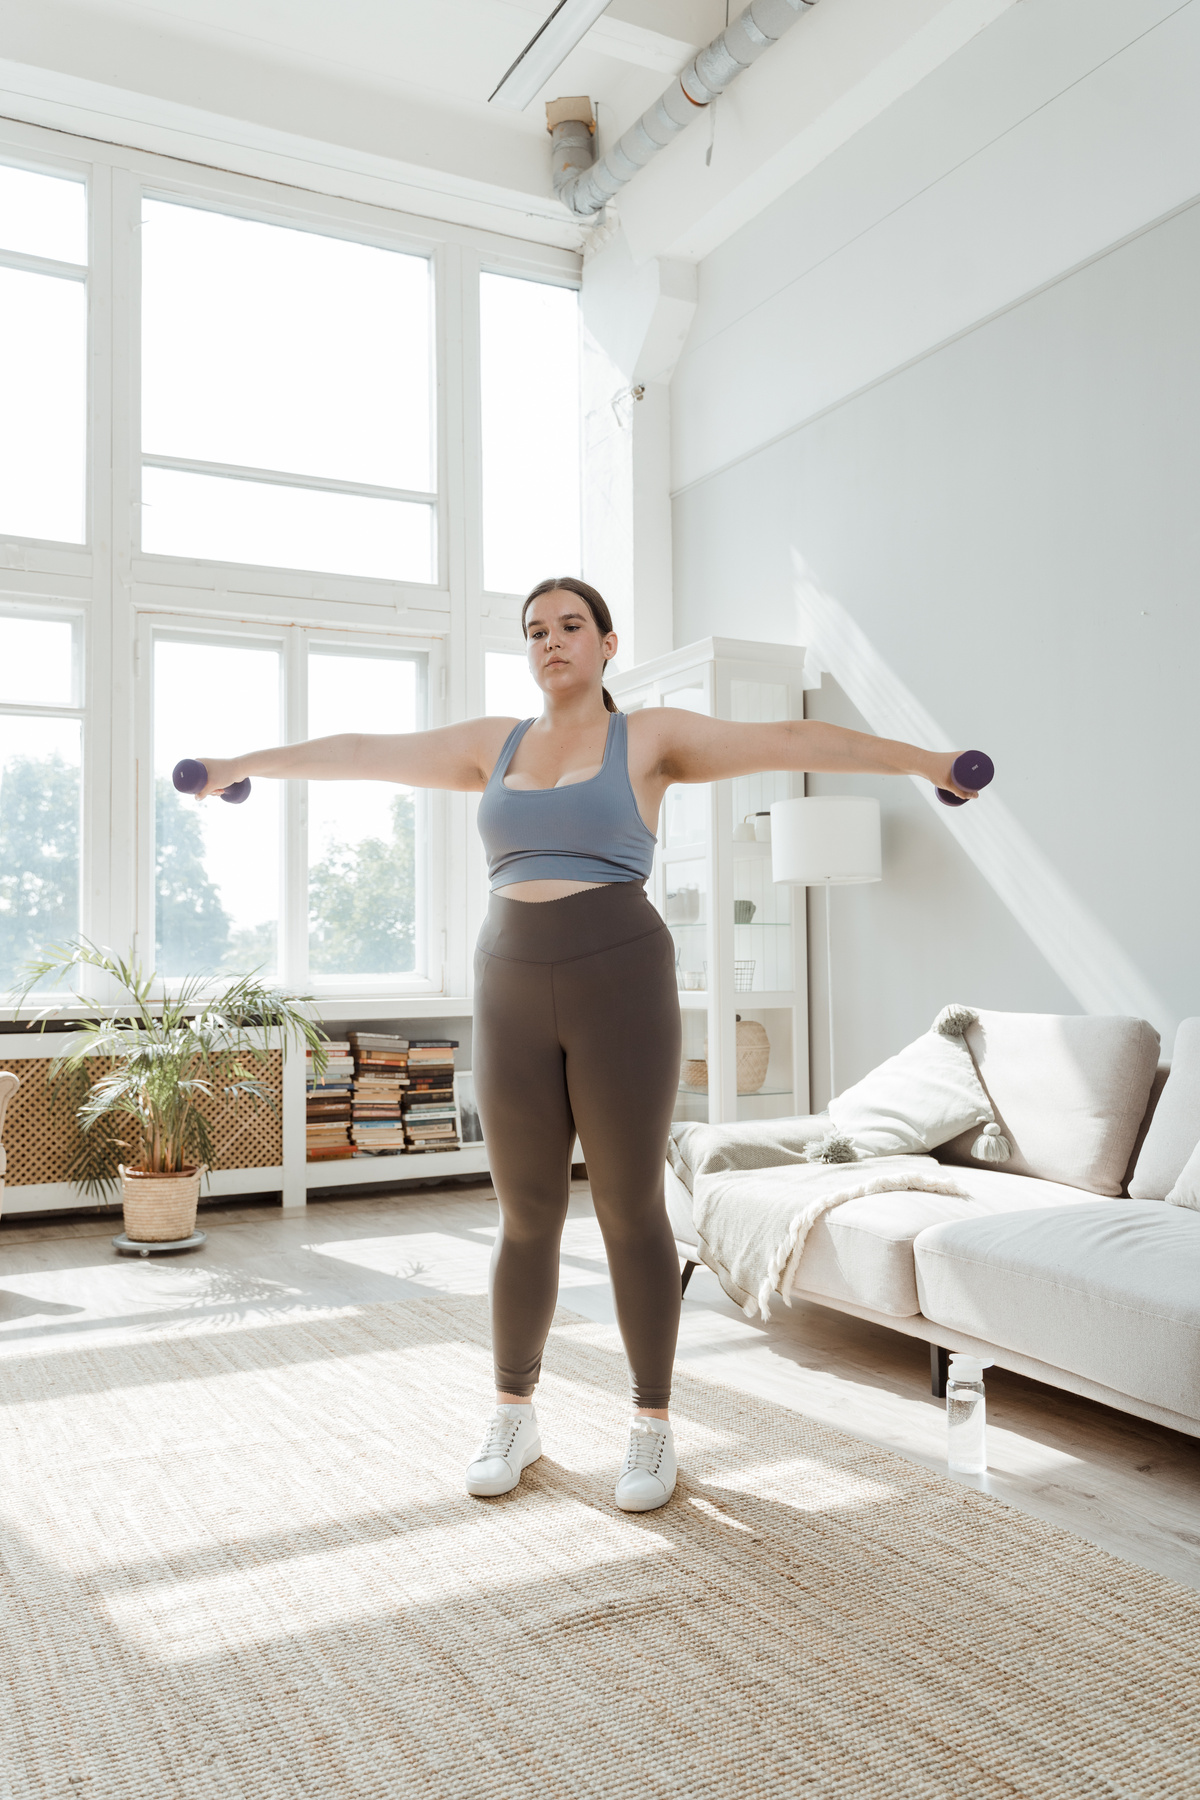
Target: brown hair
<point>596,605</point>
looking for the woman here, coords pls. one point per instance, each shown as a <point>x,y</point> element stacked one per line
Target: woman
<point>576,1021</point>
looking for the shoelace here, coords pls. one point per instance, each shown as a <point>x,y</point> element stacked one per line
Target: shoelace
<point>499,1436</point>
<point>645,1447</point>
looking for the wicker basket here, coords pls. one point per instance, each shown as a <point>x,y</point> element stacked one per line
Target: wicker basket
<point>753,1055</point>
<point>160,1209</point>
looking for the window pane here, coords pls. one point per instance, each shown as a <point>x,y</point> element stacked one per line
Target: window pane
<point>364,875</point>
<point>37,663</point>
<point>509,689</point>
<point>43,418</point>
<point>39,838</point>
<point>43,215</point>
<point>529,347</point>
<point>283,527</point>
<point>281,349</point>
<point>217,866</point>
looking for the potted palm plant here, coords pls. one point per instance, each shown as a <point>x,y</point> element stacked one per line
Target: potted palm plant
<point>141,1118</point>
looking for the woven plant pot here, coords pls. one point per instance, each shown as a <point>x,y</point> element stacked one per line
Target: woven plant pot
<point>160,1209</point>
<point>753,1055</point>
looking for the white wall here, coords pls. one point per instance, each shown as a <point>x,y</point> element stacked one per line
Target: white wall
<point>938,413</point>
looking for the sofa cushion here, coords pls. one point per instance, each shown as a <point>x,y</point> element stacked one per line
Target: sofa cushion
<point>679,1209</point>
<point>1175,1128</point>
<point>1109,1290</point>
<point>695,1149</point>
<point>1186,1191</point>
<point>863,1251</point>
<point>924,1095</point>
<point>1156,1089</point>
<point>1069,1092</point>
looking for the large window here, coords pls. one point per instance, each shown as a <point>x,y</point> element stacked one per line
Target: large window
<point>255,466</point>
<point>509,689</point>
<point>43,331</point>
<point>217,872</point>
<point>286,397</point>
<point>366,886</point>
<point>220,897</point>
<point>529,355</point>
<point>40,762</point>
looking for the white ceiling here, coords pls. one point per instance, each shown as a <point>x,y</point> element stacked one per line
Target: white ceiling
<point>449,51</point>
<point>386,100</point>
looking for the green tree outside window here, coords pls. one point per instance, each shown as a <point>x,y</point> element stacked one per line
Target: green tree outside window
<point>39,858</point>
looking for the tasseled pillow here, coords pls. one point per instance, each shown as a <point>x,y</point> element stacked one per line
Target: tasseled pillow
<point>922,1097</point>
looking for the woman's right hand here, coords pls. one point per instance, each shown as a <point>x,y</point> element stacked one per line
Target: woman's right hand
<point>222,773</point>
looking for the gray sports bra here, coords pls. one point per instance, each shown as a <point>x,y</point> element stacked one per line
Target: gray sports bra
<point>587,831</point>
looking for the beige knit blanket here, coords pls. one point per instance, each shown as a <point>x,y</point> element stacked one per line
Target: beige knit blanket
<point>753,1223</point>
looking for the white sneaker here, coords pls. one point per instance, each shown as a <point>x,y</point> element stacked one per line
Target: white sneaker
<point>647,1477</point>
<point>511,1442</point>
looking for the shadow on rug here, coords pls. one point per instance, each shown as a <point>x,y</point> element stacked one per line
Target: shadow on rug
<point>240,1566</point>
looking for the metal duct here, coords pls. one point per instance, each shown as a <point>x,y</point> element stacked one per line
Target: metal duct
<point>585,186</point>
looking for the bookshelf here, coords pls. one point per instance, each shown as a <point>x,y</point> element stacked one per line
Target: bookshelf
<point>425,1015</point>
<point>740,939</point>
<point>35,1132</point>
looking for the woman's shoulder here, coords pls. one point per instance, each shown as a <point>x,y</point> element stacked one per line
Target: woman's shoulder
<point>651,731</point>
<point>664,725</point>
<point>491,734</point>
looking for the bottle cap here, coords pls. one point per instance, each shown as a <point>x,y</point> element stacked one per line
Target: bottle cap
<point>965,1367</point>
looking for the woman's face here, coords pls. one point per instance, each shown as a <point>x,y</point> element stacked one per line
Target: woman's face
<point>565,649</point>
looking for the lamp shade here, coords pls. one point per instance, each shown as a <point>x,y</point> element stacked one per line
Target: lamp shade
<point>823,839</point>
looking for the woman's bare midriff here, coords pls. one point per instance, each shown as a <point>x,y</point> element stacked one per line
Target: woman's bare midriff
<point>547,890</point>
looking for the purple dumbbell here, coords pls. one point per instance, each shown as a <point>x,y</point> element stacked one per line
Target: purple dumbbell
<point>973,769</point>
<point>191,776</point>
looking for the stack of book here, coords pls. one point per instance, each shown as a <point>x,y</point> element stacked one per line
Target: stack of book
<point>327,1107</point>
<point>380,1081</point>
<point>430,1116</point>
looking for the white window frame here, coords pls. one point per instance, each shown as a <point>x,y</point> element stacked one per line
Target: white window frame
<point>117,588</point>
<point>293,644</point>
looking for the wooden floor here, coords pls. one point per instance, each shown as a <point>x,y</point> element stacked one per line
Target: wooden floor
<point>1131,1487</point>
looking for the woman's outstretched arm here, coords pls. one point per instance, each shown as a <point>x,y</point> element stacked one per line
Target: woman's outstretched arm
<point>452,756</point>
<point>695,748</point>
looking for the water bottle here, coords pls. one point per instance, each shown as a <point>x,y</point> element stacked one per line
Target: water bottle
<point>966,1429</point>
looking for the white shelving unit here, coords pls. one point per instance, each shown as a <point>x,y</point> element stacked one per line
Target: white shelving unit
<point>299,1175</point>
<point>703,880</point>
<point>295,1175</point>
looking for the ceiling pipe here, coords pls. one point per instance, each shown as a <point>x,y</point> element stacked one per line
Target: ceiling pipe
<point>586,185</point>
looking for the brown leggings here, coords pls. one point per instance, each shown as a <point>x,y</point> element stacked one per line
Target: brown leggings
<point>577,1029</point>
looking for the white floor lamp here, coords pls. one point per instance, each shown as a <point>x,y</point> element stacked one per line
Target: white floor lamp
<point>826,841</point>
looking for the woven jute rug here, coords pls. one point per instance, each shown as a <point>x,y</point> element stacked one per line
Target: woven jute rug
<point>241,1565</point>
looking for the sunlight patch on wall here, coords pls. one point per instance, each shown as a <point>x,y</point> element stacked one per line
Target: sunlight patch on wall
<point>1082,952</point>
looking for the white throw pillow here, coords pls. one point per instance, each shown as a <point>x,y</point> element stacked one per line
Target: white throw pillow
<point>920,1098</point>
<point>1175,1126</point>
<point>1186,1191</point>
<point>1070,1092</point>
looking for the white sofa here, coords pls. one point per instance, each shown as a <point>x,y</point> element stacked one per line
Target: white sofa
<point>1067,1263</point>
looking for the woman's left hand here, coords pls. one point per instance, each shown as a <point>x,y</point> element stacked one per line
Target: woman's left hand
<point>943,775</point>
